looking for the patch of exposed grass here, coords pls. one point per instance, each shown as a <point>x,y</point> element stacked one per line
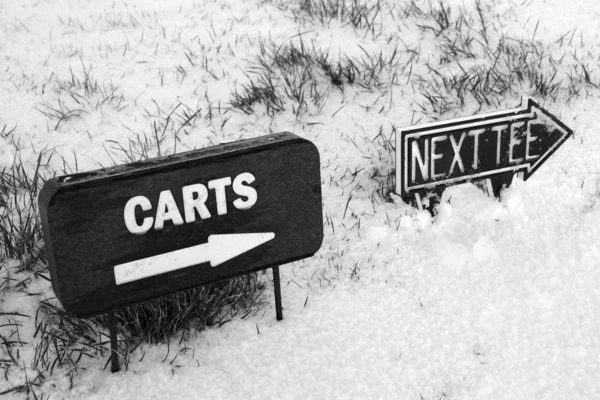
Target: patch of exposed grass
<point>29,387</point>
<point>360,14</point>
<point>60,112</point>
<point>7,132</point>
<point>305,75</point>
<point>20,229</point>
<point>195,309</point>
<point>477,63</point>
<point>64,341</point>
<point>163,130</point>
<point>384,170</point>
<point>262,90</point>
<point>436,19</point>
<point>80,94</point>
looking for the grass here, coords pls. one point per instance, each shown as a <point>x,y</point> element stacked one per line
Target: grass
<point>262,91</point>
<point>28,387</point>
<point>479,64</point>
<point>438,17</point>
<point>60,112</point>
<point>64,341</point>
<point>359,14</point>
<point>7,132</point>
<point>21,241</point>
<point>80,94</point>
<point>384,171</point>
<point>145,145</point>
<point>303,75</point>
<point>20,229</point>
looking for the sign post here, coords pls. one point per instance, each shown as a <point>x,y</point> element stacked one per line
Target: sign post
<point>277,289</point>
<point>491,147</point>
<point>114,348</point>
<point>130,233</point>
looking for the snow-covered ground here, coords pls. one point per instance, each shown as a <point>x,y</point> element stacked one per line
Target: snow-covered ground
<point>488,299</point>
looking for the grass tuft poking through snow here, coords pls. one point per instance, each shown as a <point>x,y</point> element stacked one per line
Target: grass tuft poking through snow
<point>20,229</point>
<point>64,340</point>
<point>478,62</point>
<point>360,14</point>
<point>306,75</point>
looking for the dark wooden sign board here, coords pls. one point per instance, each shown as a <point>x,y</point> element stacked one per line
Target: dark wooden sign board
<point>490,147</point>
<point>130,233</point>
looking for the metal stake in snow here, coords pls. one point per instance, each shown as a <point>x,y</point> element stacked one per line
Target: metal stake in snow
<point>491,147</point>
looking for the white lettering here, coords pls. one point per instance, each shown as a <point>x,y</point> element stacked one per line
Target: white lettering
<point>514,141</point>
<point>246,191</point>
<point>420,159</point>
<point>457,157</point>
<point>498,130</point>
<point>219,186</point>
<point>194,199</point>
<point>129,215</point>
<point>167,210</point>
<point>529,139</point>
<point>475,134</point>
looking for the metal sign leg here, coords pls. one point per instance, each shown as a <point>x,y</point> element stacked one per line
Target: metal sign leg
<point>114,350</point>
<point>500,182</point>
<point>277,286</point>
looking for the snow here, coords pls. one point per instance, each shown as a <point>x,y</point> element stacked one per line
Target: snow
<point>489,299</point>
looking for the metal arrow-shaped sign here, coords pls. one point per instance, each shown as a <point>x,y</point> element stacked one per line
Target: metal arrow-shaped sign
<point>478,147</point>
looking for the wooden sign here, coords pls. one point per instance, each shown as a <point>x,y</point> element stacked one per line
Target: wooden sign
<point>487,146</point>
<point>131,233</point>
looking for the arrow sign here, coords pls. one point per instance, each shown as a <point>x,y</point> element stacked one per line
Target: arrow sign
<point>479,147</point>
<point>217,250</point>
<point>122,235</point>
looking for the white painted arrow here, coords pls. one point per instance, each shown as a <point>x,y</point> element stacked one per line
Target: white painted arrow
<point>217,250</point>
